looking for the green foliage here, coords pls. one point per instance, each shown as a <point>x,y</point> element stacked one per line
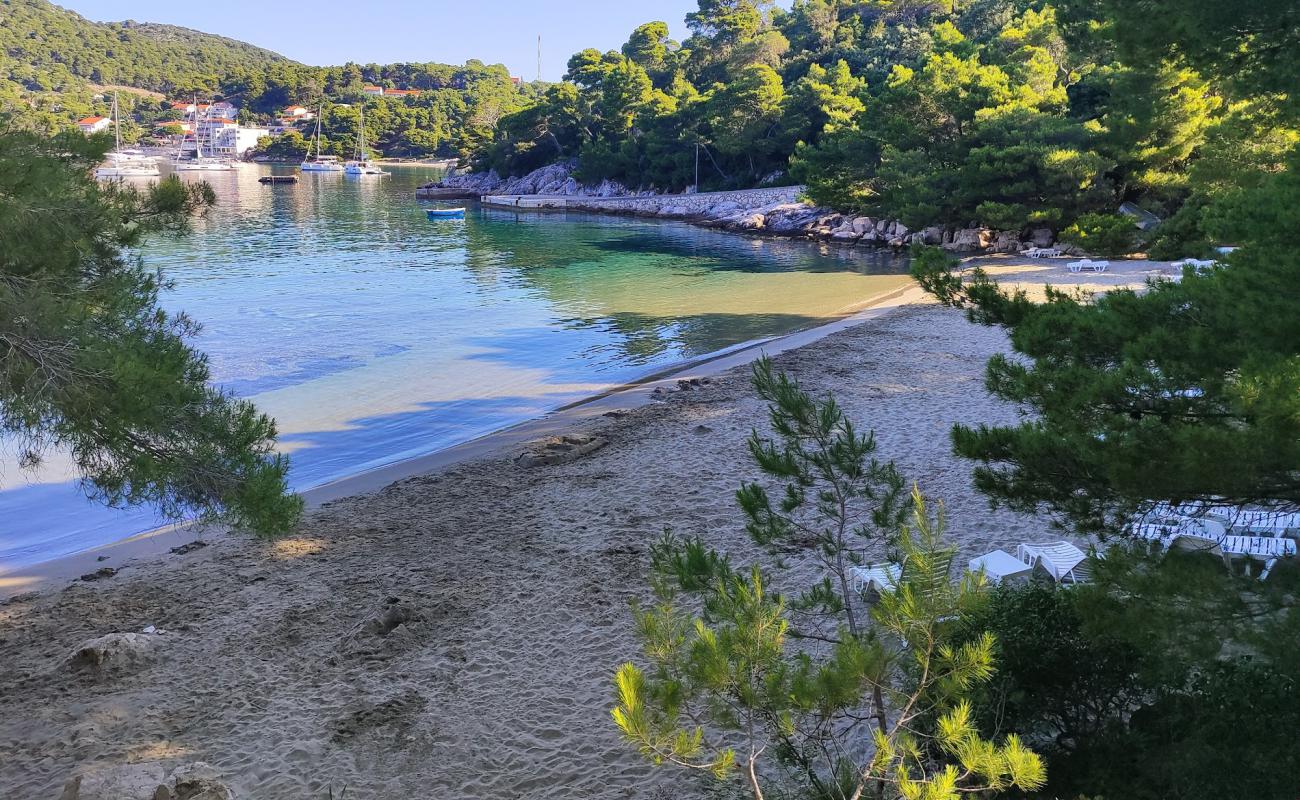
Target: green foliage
<point>1102,234</point>
<point>1129,390</point>
<point>726,692</point>
<point>1181,695</point>
<point>89,362</point>
<point>56,58</point>
<point>1175,393</point>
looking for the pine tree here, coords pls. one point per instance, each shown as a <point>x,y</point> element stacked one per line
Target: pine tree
<point>878,702</point>
<point>91,364</point>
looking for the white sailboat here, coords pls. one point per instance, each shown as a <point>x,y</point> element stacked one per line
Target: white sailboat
<point>361,166</point>
<point>123,163</point>
<point>319,163</point>
<point>200,162</point>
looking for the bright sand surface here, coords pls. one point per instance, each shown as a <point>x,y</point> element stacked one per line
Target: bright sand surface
<point>514,583</point>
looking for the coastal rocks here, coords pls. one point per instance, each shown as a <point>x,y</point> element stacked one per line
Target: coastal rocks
<point>1041,237</point>
<point>932,235</point>
<point>113,653</point>
<point>1007,242</point>
<point>970,239</point>
<point>790,218</point>
<point>863,225</point>
<point>559,450</point>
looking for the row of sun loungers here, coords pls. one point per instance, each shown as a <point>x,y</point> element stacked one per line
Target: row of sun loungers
<point>1187,527</point>
<point>1061,562</point>
<point>1205,528</point>
<point>1043,252</point>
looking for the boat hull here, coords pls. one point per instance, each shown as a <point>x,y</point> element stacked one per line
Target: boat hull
<point>445,213</point>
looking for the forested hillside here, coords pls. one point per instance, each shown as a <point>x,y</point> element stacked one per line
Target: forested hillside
<point>53,61</point>
<point>51,56</point>
<point>1005,113</point>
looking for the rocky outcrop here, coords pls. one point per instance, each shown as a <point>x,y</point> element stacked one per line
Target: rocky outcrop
<point>776,211</point>
<point>553,179</point>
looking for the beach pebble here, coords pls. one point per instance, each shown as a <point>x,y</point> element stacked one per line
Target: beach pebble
<point>700,430</point>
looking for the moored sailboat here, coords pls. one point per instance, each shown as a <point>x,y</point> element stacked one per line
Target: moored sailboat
<point>360,165</point>
<point>319,163</point>
<point>200,162</point>
<point>122,163</point>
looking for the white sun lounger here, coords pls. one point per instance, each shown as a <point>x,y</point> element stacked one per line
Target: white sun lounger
<point>877,577</point>
<point>1195,263</point>
<point>1000,566</point>
<point>1064,562</point>
<point>1086,264</point>
<point>1258,546</point>
<point>1042,252</point>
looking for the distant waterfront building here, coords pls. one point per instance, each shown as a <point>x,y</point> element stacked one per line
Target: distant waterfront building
<point>373,90</point>
<point>234,141</point>
<point>401,92</point>
<point>184,108</point>
<point>516,80</point>
<point>89,125</point>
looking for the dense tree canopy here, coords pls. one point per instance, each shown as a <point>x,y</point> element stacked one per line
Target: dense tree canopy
<point>53,63</point>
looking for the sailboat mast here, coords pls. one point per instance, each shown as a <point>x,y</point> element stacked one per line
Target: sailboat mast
<point>117,125</point>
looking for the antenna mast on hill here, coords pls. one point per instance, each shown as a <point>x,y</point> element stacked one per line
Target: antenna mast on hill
<point>539,56</point>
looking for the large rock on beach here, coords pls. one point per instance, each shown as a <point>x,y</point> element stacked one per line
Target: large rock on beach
<point>969,239</point>
<point>862,225</point>
<point>114,652</point>
<point>1007,242</point>
<point>1041,237</point>
<point>932,235</point>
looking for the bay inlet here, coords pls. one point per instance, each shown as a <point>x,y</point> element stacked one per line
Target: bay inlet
<point>373,334</point>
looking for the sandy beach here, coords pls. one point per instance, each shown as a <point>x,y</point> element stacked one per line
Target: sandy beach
<point>454,633</point>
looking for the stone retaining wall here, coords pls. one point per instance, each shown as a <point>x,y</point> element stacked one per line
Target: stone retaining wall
<point>668,205</point>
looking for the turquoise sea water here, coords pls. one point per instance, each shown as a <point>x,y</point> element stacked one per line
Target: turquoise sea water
<point>373,334</point>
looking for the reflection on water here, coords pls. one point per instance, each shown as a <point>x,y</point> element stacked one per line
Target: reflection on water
<point>373,334</point>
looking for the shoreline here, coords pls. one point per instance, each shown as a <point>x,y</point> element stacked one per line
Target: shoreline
<point>455,633</point>
<point>158,542</point>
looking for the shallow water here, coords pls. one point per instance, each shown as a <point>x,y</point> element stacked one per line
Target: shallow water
<point>372,334</point>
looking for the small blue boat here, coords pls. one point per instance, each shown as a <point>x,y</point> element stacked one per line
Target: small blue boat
<point>445,213</point>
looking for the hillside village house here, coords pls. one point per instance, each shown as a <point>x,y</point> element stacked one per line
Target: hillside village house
<point>89,125</point>
<point>290,117</point>
<point>379,91</point>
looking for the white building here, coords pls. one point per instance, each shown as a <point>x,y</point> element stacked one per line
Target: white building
<point>90,125</point>
<point>234,141</point>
